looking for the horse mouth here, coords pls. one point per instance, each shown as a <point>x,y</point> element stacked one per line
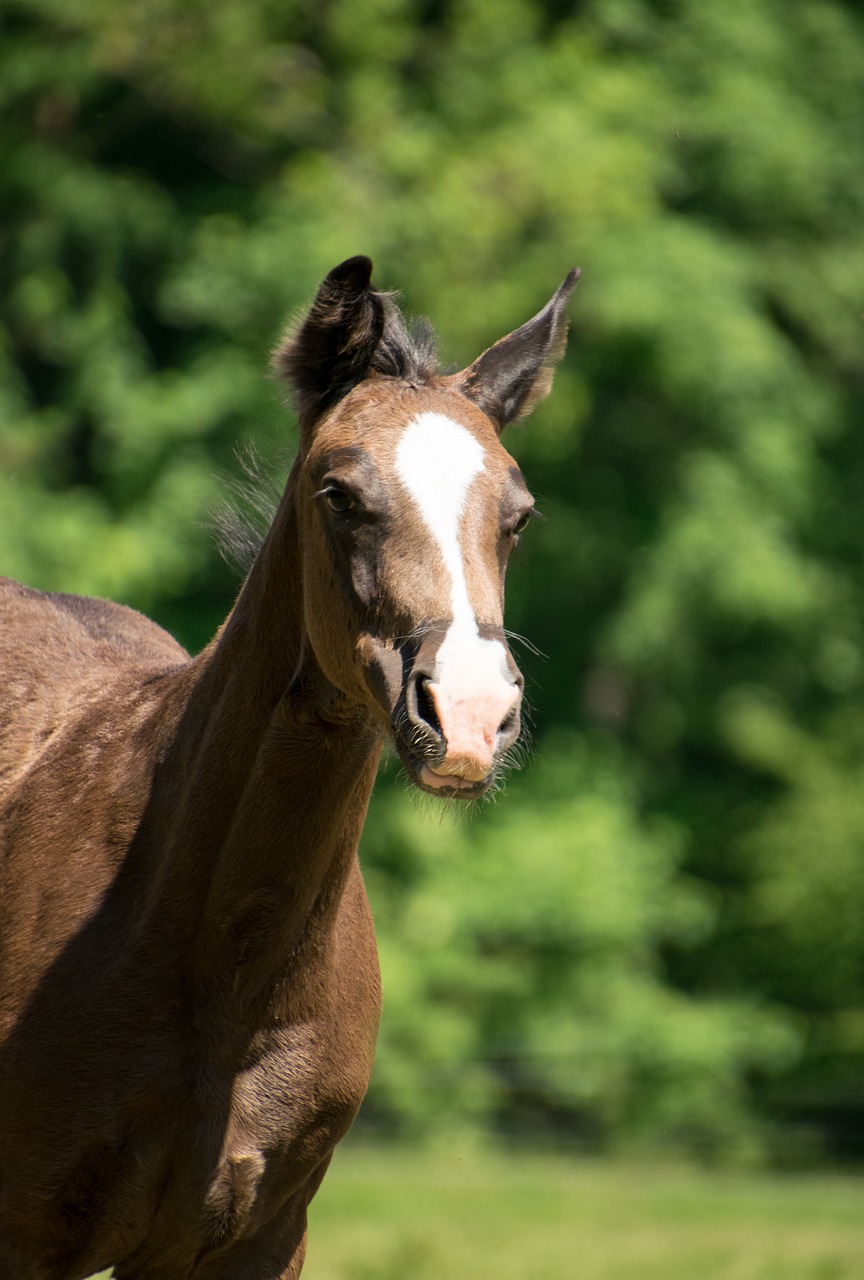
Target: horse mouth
<point>424,773</point>
<point>453,784</point>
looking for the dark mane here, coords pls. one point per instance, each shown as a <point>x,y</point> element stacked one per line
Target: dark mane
<point>408,349</point>
<point>239,522</point>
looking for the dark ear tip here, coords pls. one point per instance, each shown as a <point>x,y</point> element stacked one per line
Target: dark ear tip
<point>571,281</point>
<point>355,272</point>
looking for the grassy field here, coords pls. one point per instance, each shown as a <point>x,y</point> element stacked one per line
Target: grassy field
<point>398,1216</point>
<point>405,1216</point>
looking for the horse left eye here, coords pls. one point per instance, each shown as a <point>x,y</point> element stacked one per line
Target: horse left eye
<point>522,523</point>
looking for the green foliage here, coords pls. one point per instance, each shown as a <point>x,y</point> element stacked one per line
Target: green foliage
<point>521,963</point>
<point>659,924</point>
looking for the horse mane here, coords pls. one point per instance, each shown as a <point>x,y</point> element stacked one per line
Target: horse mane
<point>239,521</point>
<point>408,349</point>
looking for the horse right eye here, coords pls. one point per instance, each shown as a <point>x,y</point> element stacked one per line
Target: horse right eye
<point>339,501</point>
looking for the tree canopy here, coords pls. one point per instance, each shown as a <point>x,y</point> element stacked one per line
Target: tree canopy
<point>657,933</point>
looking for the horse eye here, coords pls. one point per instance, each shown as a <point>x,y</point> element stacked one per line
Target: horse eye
<point>522,523</point>
<point>339,501</point>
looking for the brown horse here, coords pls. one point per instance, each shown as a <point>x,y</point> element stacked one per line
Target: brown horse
<point>189,990</point>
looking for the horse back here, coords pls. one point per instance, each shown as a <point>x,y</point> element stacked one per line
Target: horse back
<point>81,730</point>
<point>59,654</point>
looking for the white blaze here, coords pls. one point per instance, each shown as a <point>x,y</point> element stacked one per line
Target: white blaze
<point>437,461</point>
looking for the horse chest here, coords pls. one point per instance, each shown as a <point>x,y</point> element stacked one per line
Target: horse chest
<point>214,1143</point>
<point>288,1113</point>
<point>211,1166</point>
<point>300,1095</point>
<point>297,1093</point>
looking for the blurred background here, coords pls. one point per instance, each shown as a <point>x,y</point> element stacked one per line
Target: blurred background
<point>654,940</point>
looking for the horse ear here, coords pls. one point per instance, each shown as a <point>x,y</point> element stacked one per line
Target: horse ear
<point>330,351</point>
<point>509,379</point>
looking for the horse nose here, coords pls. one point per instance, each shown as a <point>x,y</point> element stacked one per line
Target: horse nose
<point>463,726</point>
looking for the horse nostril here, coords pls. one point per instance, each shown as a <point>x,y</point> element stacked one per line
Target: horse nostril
<point>425,706</point>
<point>423,723</point>
<point>511,720</point>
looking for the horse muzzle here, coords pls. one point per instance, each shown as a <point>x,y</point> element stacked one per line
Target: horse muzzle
<point>458,715</point>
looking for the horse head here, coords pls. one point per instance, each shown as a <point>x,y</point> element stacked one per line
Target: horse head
<point>409,507</point>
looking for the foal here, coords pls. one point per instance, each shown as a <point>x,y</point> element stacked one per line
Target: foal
<point>189,991</point>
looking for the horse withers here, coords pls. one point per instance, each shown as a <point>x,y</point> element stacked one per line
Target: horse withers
<point>189,989</point>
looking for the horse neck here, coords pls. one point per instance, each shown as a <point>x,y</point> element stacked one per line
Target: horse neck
<point>258,806</point>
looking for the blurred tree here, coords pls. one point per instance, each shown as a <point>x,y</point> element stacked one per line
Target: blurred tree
<point>665,915</point>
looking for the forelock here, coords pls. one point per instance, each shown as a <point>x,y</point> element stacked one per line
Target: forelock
<point>406,350</point>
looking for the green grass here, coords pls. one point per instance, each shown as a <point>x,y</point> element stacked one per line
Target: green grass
<point>400,1216</point>
<point>396,1215</point>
